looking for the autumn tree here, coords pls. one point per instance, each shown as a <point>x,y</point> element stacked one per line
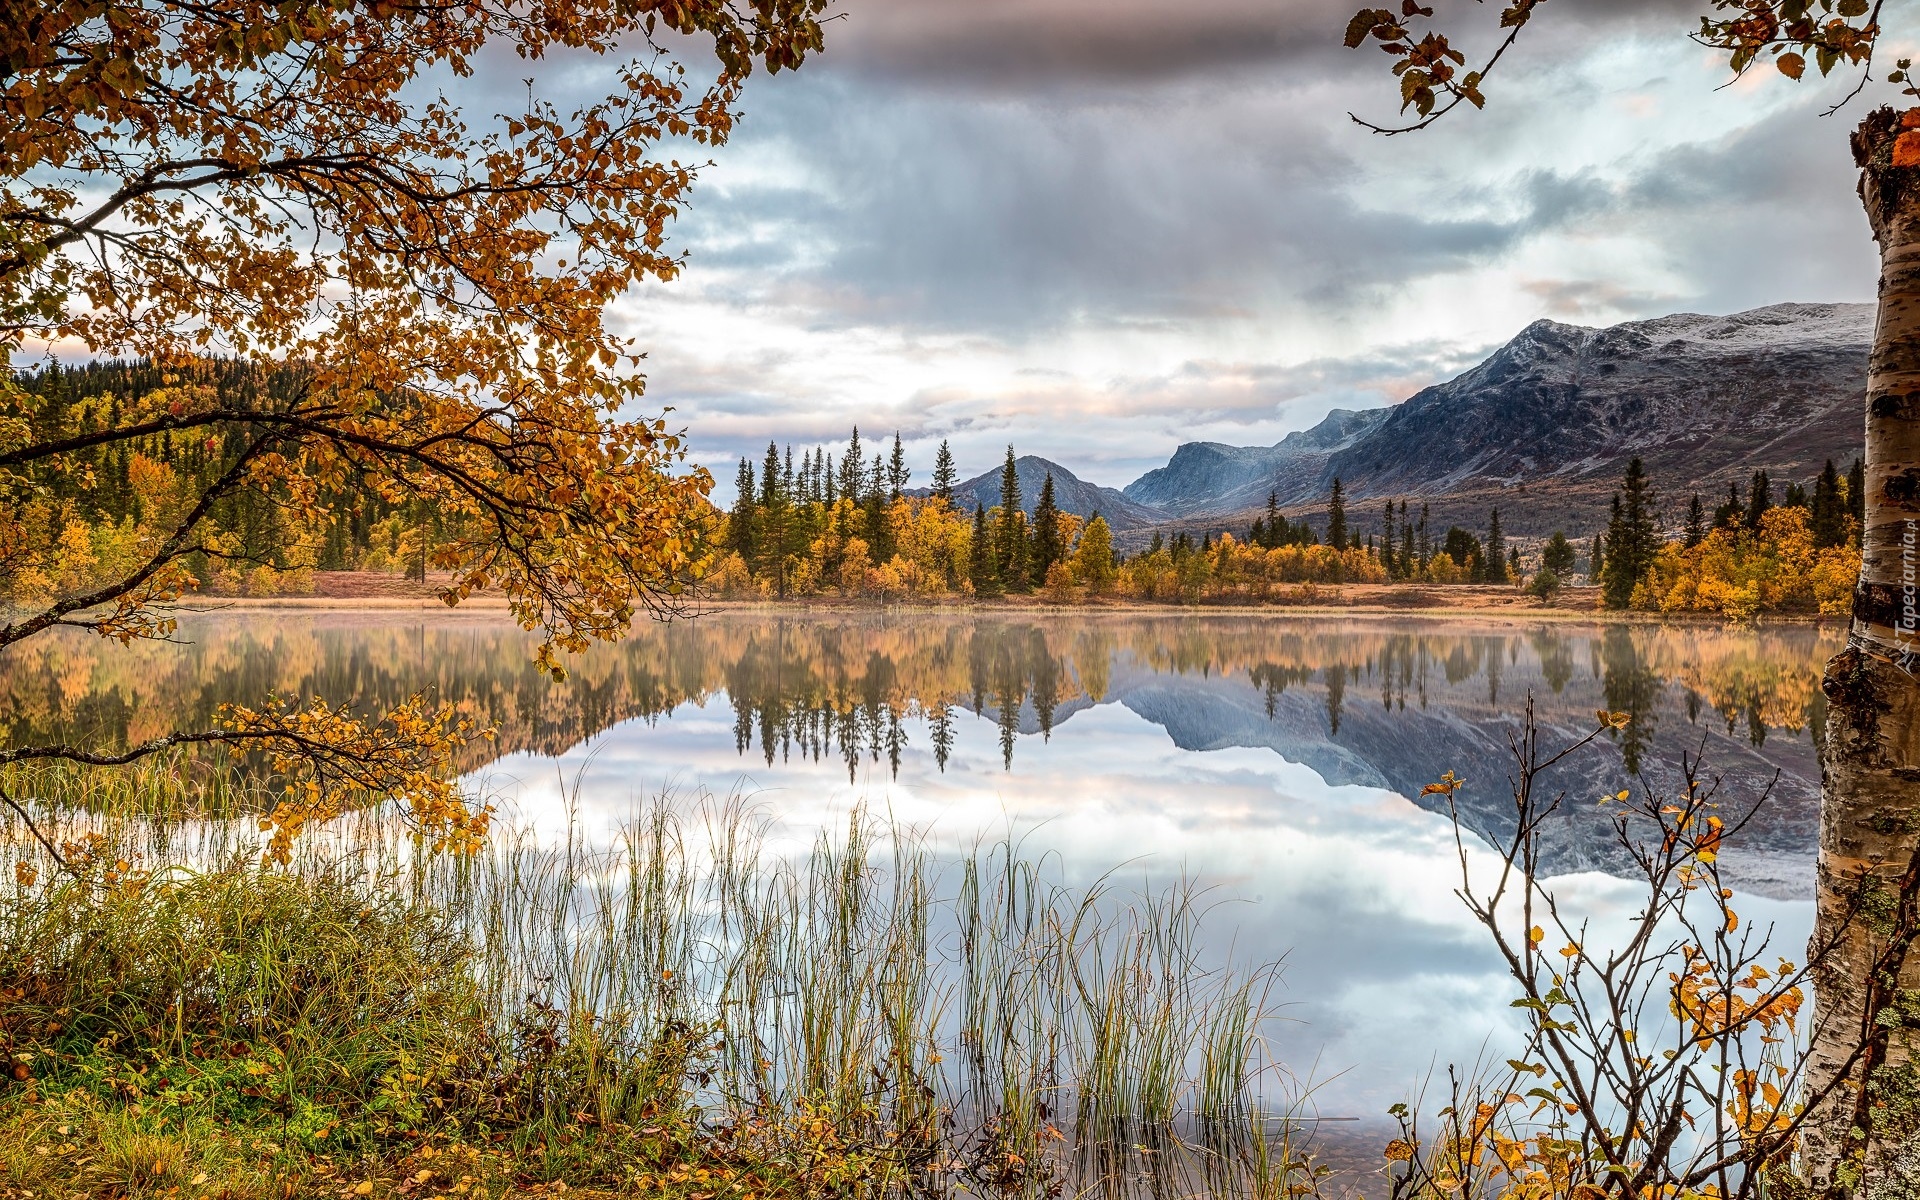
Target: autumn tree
<point>1093,557</point>
<point>413,296</point>
<point>1870,753</point>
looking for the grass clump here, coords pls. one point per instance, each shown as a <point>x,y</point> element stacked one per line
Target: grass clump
<point>229,1031</point>
<point>664,1013</point>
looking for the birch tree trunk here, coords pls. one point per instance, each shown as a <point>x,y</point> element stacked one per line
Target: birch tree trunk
<point>1867,1024</point>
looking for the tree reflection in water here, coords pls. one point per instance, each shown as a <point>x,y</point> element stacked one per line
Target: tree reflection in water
<point>865,689</point>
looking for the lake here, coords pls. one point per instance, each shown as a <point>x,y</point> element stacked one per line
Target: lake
<point>1277,759</point>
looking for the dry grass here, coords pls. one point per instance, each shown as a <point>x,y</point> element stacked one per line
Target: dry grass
<point>681,1012</point>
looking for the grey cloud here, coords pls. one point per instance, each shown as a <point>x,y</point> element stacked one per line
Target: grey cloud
<point>1019,215</point>
<point>996,44</point>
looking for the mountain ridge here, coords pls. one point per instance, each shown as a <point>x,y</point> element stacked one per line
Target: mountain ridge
<point>1070,494</point>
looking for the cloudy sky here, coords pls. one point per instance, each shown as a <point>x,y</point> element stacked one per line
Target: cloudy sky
<point>1099,228</point>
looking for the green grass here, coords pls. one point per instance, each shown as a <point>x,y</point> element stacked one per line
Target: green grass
<point>682,1012</point>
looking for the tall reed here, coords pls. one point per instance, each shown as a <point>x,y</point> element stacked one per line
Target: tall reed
<point>981,1021</point>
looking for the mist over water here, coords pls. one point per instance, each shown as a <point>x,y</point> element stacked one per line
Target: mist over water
<point>1277,759</point>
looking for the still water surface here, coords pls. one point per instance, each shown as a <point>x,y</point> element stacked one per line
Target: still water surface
<point>1277,759</point>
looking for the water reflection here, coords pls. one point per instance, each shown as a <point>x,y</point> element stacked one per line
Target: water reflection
<point>1278,758</point>
<point>1380,703</point>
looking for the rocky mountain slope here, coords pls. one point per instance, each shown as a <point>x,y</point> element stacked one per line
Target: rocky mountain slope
<point>1544,427</point>
<point>1204,478</point>
<point>1070,493</point>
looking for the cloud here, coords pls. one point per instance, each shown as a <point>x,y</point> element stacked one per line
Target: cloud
<point>992,45</point>
<point>1079,228</point>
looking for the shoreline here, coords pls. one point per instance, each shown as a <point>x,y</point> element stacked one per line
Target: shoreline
<point>358,592</point>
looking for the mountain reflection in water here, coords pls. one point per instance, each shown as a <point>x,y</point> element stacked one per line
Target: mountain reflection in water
<point>1387,703</point>
<point>1277,758</point>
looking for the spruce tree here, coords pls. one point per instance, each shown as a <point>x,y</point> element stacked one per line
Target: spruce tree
<point>1496,560</point>
<point>1559,555</point>
<point>1337,516</point>
<point>1010,538</point>
<point>981,568</point>
<point>1617,577</point>
<point>1426,541</point>
<point>873,507</point>
<point>1407,561</point>
<point>740,520</point>
<point>1696,522</point>
<point>1597,559</point>
<point>852,468</point>
<point>1388,544</point>
<point>1047,549</point>
<point>944,474</point>
<point>1633,538</point>
<point>770,543</point>
<point>1829,509</point>
<point>1730,514</point>
<point>1759,499</point>
<point>897,472</point>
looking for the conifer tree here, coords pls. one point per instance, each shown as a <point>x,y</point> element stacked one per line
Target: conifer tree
<point>897,472</point>
<point>1496,560</point>
<point>1617,577</point>
<point>1828,509</point>
<point>1696,522</point>
<point>1734,511</point>
<point>1559,555</point>
<point>1337,516</point>
<point>1426,541</point>
<point>852,468</point>
<point>1388,543</point>
<point>1597,559</point>
<point>873,508</point>
<point>1407,560</point>
<point>1010,536</point>
<point>944,474</point>
<point>982,569</point>
<point>1759,499</point>
<point>1047,549</point>
<point>1632,537</point>
<point>740,519</point>
<point>773,519</point>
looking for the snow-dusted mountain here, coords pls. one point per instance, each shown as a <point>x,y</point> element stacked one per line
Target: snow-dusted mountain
<point>1544,427</point>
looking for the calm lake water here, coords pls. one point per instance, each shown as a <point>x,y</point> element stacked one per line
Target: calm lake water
<point>1278,759</point>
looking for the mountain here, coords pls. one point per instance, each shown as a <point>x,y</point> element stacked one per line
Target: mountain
<point>1544,427</point>
<point>1209,477</point>
<point>1071,493</point>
